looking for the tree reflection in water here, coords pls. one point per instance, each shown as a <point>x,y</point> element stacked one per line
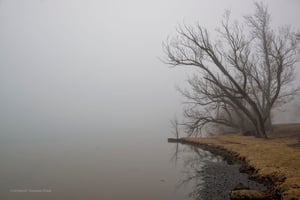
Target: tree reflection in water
<point>193,160</point>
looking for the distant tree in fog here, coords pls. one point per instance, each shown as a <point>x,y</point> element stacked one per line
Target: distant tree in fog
<point>175,127</point>
<point>242,75</point>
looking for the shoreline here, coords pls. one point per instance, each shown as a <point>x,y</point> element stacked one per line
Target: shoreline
<point>280,174</point>
<point>220,178</point>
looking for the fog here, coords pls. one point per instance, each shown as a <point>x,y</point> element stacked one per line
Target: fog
<point>70,68</point>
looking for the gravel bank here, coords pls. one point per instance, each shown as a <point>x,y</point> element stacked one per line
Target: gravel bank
<point>221,178</point>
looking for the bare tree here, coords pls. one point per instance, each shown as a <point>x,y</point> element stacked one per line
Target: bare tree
<point>175,127</point>
<point>246,71</point>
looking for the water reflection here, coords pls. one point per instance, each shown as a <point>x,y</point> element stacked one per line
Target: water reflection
<point>193,162</point>
<point>88,167</point>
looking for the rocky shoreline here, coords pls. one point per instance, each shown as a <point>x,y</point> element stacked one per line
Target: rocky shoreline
<point>225,180</point>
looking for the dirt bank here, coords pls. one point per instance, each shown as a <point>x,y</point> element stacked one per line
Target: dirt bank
<point>274,160</point>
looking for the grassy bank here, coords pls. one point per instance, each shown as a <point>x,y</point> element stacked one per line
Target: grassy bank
<point>276,159</point>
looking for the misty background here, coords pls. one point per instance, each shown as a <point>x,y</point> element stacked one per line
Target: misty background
<point>70,68</point>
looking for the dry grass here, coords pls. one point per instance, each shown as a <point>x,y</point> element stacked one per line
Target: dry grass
<point>247,194</point>
<point>276,159</point>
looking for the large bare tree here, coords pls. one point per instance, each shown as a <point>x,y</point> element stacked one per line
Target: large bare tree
<point>243,73</point>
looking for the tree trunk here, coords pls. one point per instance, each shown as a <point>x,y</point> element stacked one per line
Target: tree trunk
<point>268,124</point>
<point>262,130</point>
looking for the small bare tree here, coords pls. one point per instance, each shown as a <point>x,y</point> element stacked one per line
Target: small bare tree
<point>243,74</point>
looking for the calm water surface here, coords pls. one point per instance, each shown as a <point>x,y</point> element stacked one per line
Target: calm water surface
<point>88,167</point>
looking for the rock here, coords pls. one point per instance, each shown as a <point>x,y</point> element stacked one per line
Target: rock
<point>240,186</point>
<point>244,194</point>
<point>244,169</point>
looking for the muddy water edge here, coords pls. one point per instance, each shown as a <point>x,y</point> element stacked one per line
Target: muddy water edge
<point>215,173</point>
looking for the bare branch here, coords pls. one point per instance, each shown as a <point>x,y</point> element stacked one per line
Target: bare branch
<point>242,75</point>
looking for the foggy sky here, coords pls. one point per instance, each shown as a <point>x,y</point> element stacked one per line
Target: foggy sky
<point>92,67</point>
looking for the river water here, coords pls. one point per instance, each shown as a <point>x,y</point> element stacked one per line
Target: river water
<point>86,167</point>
